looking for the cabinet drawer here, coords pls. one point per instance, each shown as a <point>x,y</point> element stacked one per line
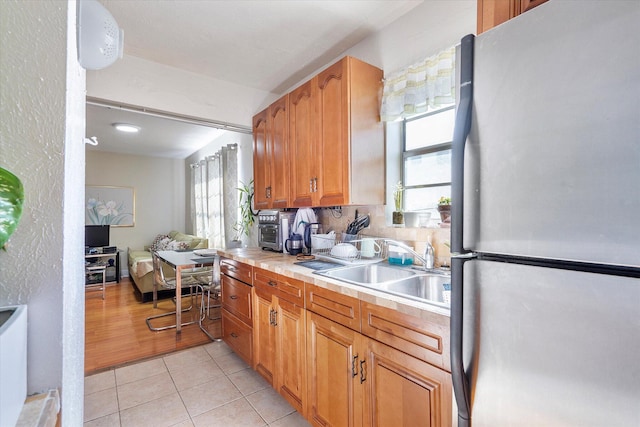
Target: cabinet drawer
<point>342,309</point>
<point>236,298</point>
<point>286,288</point>
<point>237,270</point>
<point>425,340</point>
<point>237,335</point>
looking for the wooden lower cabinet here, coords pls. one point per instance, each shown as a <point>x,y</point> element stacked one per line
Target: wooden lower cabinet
<point>237,335</point>
<point>357,381</point>
<point>403,390</point>
<point>335,395</point>
<point>279,336</point>
<point>237,316</point>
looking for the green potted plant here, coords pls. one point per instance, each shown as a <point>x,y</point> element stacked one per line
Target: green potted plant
<point>246,218</point>
<point>444,208</point>
<point>11,199</point>
<point>398,217</point>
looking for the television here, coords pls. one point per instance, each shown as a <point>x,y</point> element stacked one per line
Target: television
<point>96,236</point>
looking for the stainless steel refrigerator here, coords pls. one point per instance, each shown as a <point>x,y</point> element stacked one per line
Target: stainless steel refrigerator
<point>545,310</point>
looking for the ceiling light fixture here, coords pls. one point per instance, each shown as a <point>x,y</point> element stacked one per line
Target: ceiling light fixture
<point>125,127</point>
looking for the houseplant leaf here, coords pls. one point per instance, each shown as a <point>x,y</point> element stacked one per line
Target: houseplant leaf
<point>11,199</point>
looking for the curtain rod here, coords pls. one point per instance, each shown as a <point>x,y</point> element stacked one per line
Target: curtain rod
<point>171,116</point>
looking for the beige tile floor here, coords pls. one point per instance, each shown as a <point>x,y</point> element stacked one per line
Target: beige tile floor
<point>203,386</point>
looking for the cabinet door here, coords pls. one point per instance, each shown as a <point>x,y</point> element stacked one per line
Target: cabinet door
<point>279,136</point>
<point>333,142</point>
<point>291,353</point>
<point>261,155</point>
<point>334,392</point>
<point>264,336</point>
<point>492,13</point>
<point>301,143</point>
<point>404,391</point>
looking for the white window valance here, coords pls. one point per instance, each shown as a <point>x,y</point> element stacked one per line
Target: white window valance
<point>429,83</point>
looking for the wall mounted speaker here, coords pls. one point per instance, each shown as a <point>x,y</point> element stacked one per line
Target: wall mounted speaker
<point>100,41</point>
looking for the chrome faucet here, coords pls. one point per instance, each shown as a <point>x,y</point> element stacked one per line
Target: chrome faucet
<point>427,258</point>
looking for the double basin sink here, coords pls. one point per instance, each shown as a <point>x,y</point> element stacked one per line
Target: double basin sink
<point>431,286</point>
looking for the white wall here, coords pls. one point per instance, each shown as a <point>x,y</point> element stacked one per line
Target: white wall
<point>41,141</point>
<point>159,185</point>
<point>140,82</point>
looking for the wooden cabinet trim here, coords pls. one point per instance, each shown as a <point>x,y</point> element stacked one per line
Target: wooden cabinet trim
<point>342,309</point>
<point>412,335</point>
<point>236,269</point>
<point>283,287</point>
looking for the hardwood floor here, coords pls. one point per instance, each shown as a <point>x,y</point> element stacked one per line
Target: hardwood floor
<point>116,332</point>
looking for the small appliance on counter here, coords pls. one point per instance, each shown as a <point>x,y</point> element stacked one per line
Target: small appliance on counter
<point>273,229</point>
<point>293,245</point>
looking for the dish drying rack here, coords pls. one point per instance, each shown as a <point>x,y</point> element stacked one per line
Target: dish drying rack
<point>323,245</point>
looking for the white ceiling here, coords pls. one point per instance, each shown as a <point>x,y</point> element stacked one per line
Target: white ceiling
<point>255,43</point>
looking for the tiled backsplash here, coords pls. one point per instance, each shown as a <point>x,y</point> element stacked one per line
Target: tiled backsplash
<point>416,237</point>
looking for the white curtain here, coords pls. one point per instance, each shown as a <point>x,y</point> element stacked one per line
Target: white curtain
<point>215,196</point>
<point>430,83</point>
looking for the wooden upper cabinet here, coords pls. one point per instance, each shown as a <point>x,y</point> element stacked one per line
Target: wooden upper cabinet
<point>279,141</point>
<point>261,163</point>
<point>332,164</point>
<point>270,156</point>
<point>301,143</point>
<point>494,12</point>
<point>337,137</point>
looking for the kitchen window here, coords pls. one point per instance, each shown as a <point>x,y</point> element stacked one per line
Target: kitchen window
<point>426,158</point>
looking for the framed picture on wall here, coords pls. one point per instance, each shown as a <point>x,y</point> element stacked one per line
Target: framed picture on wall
<point>114,206</point>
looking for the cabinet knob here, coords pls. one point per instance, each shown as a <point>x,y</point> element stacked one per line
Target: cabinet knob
<point>233,296</point>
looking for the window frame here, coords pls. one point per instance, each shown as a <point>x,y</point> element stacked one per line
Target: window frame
<point>406,154</point>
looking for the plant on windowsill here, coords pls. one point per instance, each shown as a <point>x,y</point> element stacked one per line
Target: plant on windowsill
<point>444,208</point>
<point>398,217</point>
<point>246,219</point>
<point>11,200</point>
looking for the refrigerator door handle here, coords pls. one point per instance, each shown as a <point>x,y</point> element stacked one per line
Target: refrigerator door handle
<point>460,133</point>
<point>460,256</point>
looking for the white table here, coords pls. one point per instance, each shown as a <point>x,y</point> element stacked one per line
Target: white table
<point>181,261</point>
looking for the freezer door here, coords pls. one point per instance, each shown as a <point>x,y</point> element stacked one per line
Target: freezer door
<point>552,163</point>
<point>549,347</point>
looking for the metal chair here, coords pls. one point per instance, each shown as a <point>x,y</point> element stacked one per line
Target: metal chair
<point>210,288</point>
<point>189,280</point>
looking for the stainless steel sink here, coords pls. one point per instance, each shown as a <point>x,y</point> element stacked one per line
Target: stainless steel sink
<point>368,273</point>
<point>422,286</point>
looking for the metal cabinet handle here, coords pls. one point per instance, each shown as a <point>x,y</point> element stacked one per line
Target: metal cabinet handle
<point>275,318</point>
<point>315,185</point>
<point>354,369</point>
<point>234,335</point>
<point>363,377</point>
<point>311,185</point>
<point>233,296</point>
<point>272,283</point>
<point>268,189</point>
